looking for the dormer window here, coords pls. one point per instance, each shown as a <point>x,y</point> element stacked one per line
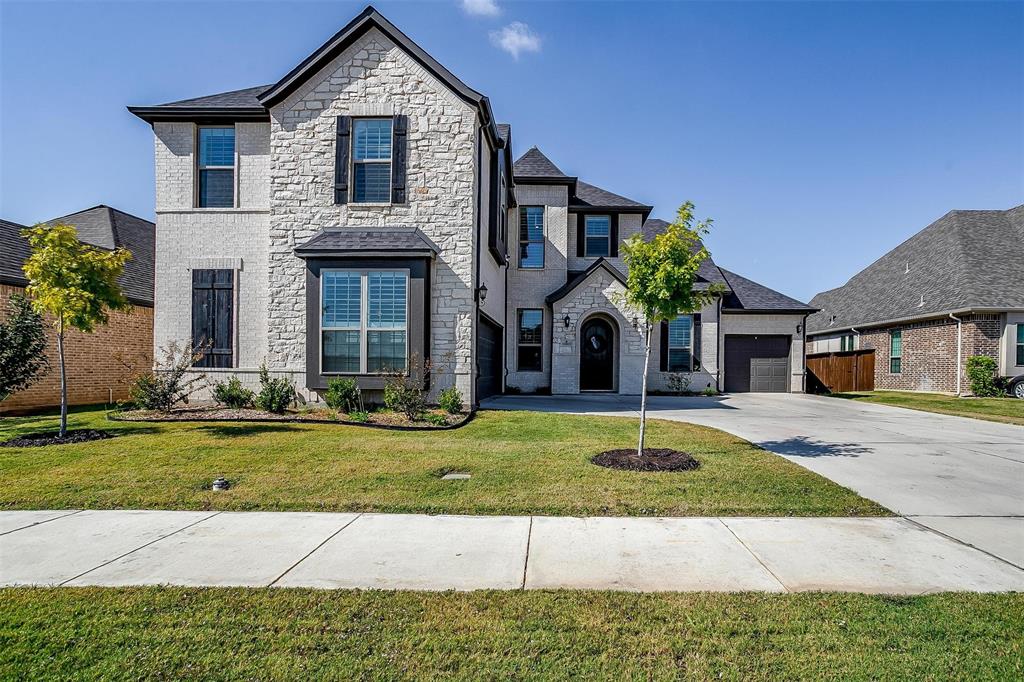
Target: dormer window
<point>598,236</point>
<point>216,168</point>
<point>371,160</point>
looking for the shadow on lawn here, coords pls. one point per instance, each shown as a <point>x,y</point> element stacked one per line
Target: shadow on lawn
<point>243,430</point>
<point>802,446</point>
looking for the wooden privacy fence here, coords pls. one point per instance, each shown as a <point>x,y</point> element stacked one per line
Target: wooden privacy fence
<point>852,370</point>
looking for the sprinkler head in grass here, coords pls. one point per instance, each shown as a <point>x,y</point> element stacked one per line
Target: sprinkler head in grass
<point>221,484</point>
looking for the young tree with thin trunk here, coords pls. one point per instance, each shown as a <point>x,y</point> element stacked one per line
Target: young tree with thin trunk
<point>660,282</point>
<point>74,283</point>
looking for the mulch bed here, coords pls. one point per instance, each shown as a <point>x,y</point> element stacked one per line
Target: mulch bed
<point>36,440</point>
<point>209,413</point>
<point>653,459</point>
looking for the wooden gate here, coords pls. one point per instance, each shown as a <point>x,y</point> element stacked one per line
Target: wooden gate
<point>852,370</point>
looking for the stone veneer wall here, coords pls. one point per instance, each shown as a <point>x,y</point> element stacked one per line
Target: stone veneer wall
<point>375,78</point>
<point>93,361</point>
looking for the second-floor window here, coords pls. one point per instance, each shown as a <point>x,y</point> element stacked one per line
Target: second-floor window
<point>216,167</point>
<point>598,236</point>
<point>371,160</point>
<point>846,342</point>
<point>531,237</point>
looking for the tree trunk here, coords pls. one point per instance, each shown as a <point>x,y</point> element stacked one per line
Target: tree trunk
<point>643,391</point>
<point>63,379</point>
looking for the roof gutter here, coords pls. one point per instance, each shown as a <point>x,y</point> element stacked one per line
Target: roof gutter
<point>927,316</point>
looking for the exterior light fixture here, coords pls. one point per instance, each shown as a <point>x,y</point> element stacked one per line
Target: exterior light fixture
<point>481,293</point>
<point>566,320</point>
<point>798,326</point>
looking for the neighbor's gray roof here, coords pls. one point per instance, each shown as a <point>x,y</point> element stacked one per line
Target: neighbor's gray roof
<point>533,164</point>
<point>14,250</point>
<point>110,228</point>
<point>964,260</point>
<point>362,241</point>
<point>504,131</point>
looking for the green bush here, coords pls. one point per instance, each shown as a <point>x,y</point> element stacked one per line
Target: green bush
<point>275,394</point>
<point>437,419</point>
<point>981,372</point>
<point>450,400</point>
<point>171,383</point>
<point>233,394</point>
<point>343,395</point>
<point>359,416</point>
<point>405,395</point>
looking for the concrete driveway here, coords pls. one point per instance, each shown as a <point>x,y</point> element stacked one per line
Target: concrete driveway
<point>960,477</point>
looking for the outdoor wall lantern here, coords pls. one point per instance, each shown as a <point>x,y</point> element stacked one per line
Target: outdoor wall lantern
<point>481,293</point>
<point>566,320</point>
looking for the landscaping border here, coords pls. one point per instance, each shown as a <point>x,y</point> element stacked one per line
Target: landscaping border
<point>112,416</point>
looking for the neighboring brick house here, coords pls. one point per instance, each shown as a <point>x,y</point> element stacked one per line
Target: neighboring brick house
<point>95,362</point>
<point>355,215</point>
<point>953,290</point>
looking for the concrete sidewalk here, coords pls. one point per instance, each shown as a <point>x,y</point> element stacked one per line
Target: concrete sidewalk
<point>419,552</point>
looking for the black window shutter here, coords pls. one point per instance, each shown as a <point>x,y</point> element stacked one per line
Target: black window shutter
<point>581,229</point>
<point>399,156</point>
<point>341,151</point>
<point>493,199</point>
<point>613,249</point>
<point>213,304</point>
<point>663,347</point>
<point>696,342</point>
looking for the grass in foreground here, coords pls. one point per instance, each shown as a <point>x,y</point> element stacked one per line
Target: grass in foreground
<point>521,463</point>
<point>179,633</point>
<point>1005,410</point>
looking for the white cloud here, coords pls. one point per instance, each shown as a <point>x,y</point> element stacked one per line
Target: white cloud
<point>483,8</point>
<point>515,38</point>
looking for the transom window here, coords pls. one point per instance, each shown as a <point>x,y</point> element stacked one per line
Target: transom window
<point>680,345</point>
<point>371,160</point>
<point>364,321</point>
<point>531,237</point>
<point>216,167</point>
<point>895,351</point>
<point>1020,344</point>
<point>531,335</point>
<point>598,235</point>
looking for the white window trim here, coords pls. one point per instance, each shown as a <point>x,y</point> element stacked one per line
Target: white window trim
<point>543,237</point>
<point>688,348</point>
<point>199,167</point>
<point>353,162</point>
<point>364,311</point>
<point>539,344</point>
<point>586,238</point>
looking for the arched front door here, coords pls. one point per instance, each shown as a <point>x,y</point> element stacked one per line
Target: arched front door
<point>597,355</point>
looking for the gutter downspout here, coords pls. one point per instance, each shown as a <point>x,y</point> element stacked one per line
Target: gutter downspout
<point>959,350</point>
<point>476,275</point>
<point>719,350</point>
<point>803,345</point>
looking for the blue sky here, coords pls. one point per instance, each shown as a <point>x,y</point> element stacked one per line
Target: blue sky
<point>818,135</point>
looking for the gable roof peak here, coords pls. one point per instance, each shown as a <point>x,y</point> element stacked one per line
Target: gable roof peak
<point>534,164</point>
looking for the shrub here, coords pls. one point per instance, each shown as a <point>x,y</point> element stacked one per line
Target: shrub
<point>679,383</point>
<point>437,419</point>
<point>22,347</point>
<point>275,394</point>
<point>170,383</point>
<point>981,372</point>
<point>404,395</point>
<point>233,394</point>
<point>709,391</point>
<point>343,395</point>
<point>360,416</point>
<point>450,400</point>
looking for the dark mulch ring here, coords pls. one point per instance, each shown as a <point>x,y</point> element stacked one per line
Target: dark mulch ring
<point>37,440</point>
<point>653,459</point>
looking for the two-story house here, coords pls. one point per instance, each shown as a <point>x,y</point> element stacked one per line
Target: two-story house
<point>364,214</point>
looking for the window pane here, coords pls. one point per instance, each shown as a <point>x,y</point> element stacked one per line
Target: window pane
<point>1020,333</point>
<point>896,344</point>
<point>216,146</point>
<point>679,332</point>
<point>531,224</point>
<point>372,139</point>
<point>216,188</point>
<point>340,299</point>
<point>372,183</point>
<point>531,255</point>
<point>678,360</point>
<point>598,226</point>
<point>386,299</point>
<point>597,246</point>
<point>341,351</point>
<point>531,326</point>
<point>385,351</point>
<point>529,359</point>
<point>895,366</point>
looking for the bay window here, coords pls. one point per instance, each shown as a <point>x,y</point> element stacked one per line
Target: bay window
<point>364,321</point>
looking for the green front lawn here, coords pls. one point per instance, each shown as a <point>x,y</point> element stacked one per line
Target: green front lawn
<point>1006,410</point>
<point>520,462</point>
<point>227,634</point>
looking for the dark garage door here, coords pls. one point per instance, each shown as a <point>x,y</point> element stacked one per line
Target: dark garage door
<point>488,359</point>
<point>758,364</point>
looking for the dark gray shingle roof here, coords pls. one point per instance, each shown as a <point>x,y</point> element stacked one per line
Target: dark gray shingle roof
<point>367,240</point>
<point>574,279</point>
<point>14,250</point>
<point>504,131</point>
<point>748,295</point>
<point>533,164</point>
<point>708,271</point>
<point>964,260</point>
<point>589,195</point>
<point>248,97</point>
<point>110,228</point>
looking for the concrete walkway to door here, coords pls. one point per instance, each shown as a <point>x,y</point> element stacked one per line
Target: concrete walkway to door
<point>960,477</point>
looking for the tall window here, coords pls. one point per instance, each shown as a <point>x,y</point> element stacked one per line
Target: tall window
<point>371,160</point>
<point>846,342</point>
<point>895,351</point>
<point>531,237</point>
<point>1020,344</point>
<point>216,166</point>
<point>680,344</point>
<point>598,235</point>
<point>213,302</point>
<point>364,321</point>
<point>531,334</point>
